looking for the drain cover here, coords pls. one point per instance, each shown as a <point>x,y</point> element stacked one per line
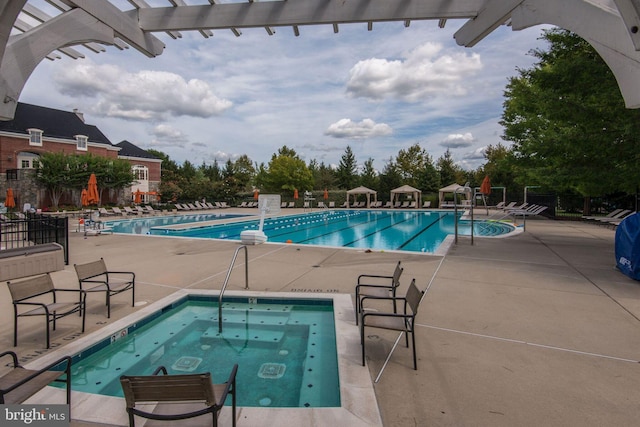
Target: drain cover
<point>186,363</point>
<point>272,371</point>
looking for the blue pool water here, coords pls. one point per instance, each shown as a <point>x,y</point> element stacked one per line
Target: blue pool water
<point>285,349</point>
<point>144,224</point>
<point>416,231</point>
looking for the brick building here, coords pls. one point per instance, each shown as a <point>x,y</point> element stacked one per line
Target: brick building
<point>36,130</point>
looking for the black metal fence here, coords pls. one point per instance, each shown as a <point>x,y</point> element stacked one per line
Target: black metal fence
<point>35,229</point>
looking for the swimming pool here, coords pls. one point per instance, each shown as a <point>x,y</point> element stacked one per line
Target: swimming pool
<point>144,224</point>
<point>399,230</point>
<point>358,406</point>
<point>285,349</point>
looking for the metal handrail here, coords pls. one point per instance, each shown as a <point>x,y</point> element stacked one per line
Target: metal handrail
<point>226,280</point>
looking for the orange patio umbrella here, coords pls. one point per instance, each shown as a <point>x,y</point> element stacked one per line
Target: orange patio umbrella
<point>256,194</point>
<point>326,194</point>
<point>10,201</point>
<point>137,196</point>
<point>83,197</point>
<point>295,194</point>
<point>92,190</point>
<point>485,188</point>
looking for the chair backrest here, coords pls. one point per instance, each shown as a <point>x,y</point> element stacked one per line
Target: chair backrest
<point>396,275</point>
<point>31,287</point>
<point>168,388</point>
<point>90,269</point>
<point>414,296</point>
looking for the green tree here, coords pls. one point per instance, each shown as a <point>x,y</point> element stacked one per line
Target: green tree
<point>568,123</point>
<point>286,171</point>
<point>449,171</point>
<point>369,176</point>
<point>52,173</point>
<point>346,174</point>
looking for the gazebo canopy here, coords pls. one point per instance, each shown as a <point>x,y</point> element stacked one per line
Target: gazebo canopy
<point>451,189</point>
<point>362,190</point>
<point>406,189</point>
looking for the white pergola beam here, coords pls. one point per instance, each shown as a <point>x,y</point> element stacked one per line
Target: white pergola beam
<point>308,12</point>
<point>491,16</point>
<point>123,25</point>
<point>630,12</point>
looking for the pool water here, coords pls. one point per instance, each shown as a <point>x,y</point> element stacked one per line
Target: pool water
<point>286,350</point>
<point>144,224</point>
<point>406,230</point>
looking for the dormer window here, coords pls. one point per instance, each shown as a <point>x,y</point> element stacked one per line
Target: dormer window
<point>81,141</point>
<point>35,137</point>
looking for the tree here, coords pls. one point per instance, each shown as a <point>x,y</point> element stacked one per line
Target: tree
<point>369,177</point>
<point>568,123</point>
<point>52,172</point>
<point>346,174</point>
<point>286,171</point>
<point>449,171</point>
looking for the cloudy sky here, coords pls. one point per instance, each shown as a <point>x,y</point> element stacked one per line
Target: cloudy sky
<point>377,91</point>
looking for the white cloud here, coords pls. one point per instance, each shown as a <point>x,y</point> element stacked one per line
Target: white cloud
<point>425,73</point>
<point>367,128</point>
<point>142,95</point>
<point>458,140</point>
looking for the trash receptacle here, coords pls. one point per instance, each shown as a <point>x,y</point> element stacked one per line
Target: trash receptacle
<point>628,246</point>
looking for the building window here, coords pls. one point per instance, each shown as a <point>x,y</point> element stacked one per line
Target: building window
<point>27,160</point>
<point>35,137</point>
<point>141,173</point>
<point>81,141</point>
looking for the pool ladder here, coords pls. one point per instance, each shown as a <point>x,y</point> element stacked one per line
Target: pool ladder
<point>226,280</point>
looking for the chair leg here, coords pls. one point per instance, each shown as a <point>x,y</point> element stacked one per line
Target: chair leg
<point>108,305</point>
<point>413,342</point>
<point>362,339</point>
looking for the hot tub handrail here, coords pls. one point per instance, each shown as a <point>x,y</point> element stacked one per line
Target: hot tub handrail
<point>226,280</point>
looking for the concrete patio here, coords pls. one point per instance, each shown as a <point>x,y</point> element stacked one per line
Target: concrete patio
<point>534,329</point>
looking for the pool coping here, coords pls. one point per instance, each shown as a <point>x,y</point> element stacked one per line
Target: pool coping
<point>358,401</point>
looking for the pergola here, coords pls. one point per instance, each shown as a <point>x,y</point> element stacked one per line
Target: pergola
<point>406,189</point>
<point>362,190</point>
<point>28,34</point>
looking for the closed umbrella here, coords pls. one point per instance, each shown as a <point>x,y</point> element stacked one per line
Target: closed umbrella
<point>256,194</point>
<point>137,197</point>
<point>326,194</point>
<point>92,190</point>
<point>83,198</point>
<point>295,194</point>
<point>10,202</point>
<point>485,188</point>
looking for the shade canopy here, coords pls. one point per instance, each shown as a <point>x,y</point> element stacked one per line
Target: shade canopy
<point>362,190</point>
<point>406,189</point>
<point>453,188</point>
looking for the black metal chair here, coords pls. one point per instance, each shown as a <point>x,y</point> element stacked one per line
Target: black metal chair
<point>94,277</point>
<point>196,393</point>
<point>33,292</point>
<point>371,285</point>
<point>403,322</point>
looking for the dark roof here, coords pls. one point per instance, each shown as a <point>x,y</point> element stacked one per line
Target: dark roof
<point>130,150</point>
<point>53,123</point>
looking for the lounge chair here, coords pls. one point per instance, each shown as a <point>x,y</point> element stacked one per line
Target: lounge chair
<point>211,205</point>
<point>182,207</point>
<point>332,205</point>
<point>95,277</point>
<point>242,205</point>
<point>372,285</point>
<point>30,298</point>
<point>387,205</point>
<point>412,205</point>
<point>403,322</point>
<point>116,210</point>
<point>426,204</point>
<point>306,205</point>
<point>141,210</point>
<point>611,214</point>
<point>150,210</point>
<point>130,211</point>
<point>192,207</point>
<point>224,205</point>
<point>617,218</point>
<point>19,384</point>
<point>196,394</point>
<point>344,205</point>
<point>321,205</point>
<point>104,212</point>
<point>291,205</point>
<point>283,205</point>
<point>404,204</point>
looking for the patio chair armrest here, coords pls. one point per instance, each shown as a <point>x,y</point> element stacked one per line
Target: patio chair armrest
<point>37,373</point>
<point>14,356</point>
<point>231,384</point>
<point>378,314</point>
<point>366,285</point>
<point>133,275</point>
<point>372,276</point>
